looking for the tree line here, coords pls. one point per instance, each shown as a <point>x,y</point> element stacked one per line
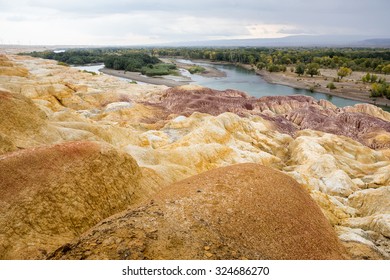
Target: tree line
<point>277,59</point>
<point>299,60</point>
<point>133,60</point>
<point>271,59</point>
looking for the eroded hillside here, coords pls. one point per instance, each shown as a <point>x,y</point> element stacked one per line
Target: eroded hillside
<point>77,148</point>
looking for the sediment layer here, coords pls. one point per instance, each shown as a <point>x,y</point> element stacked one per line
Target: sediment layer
<point>76,150</point>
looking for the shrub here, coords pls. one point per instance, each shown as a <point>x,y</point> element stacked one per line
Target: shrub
<point>196,69</point>
<point>62,64</point>
<point>380,90</point>
<point>276,68</point>
<point>331,86</point>
<point>313,69</point>
<point>300,69</point>
<point>159,69</point>
<point>344,71</point>
<point>89,72</point>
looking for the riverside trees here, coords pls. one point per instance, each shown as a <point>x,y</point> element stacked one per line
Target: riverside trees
<point>369,60</point>
<point>271,59</point>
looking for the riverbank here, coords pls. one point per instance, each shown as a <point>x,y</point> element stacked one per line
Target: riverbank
<point>350,87</point>
<point>169,80</point>
<point>136,76</point>
<point>209,72</point>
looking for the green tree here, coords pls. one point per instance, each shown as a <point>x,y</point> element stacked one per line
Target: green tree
<point>366,78</point>
<point>273,68</point>
<point>300,69</point>
<point>386,69</point>
<point>380,89</point>
<point>260,65</point>
<point>344,71</point>
<point>313,69</point>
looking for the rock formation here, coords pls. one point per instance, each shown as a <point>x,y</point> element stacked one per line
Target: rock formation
<point>133,141</point>
<point>49,195</point>
<point>244,211</point>
<point>289,113</point>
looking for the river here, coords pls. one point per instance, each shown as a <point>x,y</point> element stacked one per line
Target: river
<point>247,81</point>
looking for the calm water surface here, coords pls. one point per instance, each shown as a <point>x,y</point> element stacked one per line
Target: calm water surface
<point>247,81</point>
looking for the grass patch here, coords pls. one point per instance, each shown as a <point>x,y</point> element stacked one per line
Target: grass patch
<point>89,72</point>
<point>159,69</point>
<point>196,69</point>
<point>62,63</point>
<point>331,86</point>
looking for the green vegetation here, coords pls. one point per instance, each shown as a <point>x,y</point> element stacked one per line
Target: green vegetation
<point>133,60</point>
<point>63,64</point>
<point>343,72</point>
<point>379,87</point>
<point>372,78</point>
<point>386,69</point>
<point>303,60</point>
<point>89,72</point>
<point>300,69</point>
<point>357,59</point>
<point>276,68</point>
<point>196,69</point>
<point>313,69</point>
<point>159,69</point>
<point>73,57</point>
<point>330,86</point>
<point>380,90</point>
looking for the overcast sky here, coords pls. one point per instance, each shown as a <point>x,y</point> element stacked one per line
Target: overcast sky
<point>134,22</point>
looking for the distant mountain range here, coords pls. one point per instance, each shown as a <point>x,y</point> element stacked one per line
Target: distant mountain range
<point>292,41</point>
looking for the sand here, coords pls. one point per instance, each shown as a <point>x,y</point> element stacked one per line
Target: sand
<point>136,76</point>
<point>170,81</point>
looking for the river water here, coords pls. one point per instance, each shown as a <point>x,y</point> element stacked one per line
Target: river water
<point>247,81</point>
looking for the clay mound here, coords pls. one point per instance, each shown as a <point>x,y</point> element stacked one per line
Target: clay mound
<point>245,211</point>
<point>50,195</point>
<point>358,126</point>
<point>19,113</point>
<point>7,68</point>
<point>288,114</point>
<point>187,100</point>
<point>22,123</point>
<point>368,109</point>
<point>284,104</point>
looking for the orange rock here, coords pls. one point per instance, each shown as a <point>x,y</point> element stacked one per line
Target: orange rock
<point>50,195</point>
<point>244,210</point>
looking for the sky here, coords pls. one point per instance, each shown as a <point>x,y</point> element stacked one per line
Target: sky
<point>134,22</point>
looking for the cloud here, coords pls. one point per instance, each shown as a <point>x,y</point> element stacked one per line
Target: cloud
<point>152,21</point>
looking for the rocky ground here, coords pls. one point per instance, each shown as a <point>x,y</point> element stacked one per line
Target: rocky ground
<point>94,167</point>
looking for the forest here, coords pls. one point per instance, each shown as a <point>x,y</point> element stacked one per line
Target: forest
<point>301,60</point>
<point>118,59</point>
<point>357,59</point>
